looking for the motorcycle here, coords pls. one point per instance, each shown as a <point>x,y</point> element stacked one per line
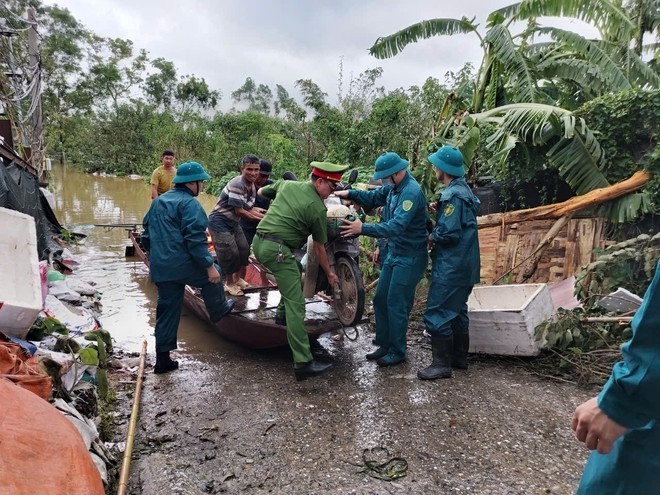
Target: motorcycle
<point>349,294</point>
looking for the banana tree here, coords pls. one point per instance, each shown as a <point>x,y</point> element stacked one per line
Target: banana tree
<point>573,149</point>
<point>516,68</point>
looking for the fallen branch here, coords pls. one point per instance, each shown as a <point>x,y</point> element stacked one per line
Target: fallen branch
<point>527,273</point>
<point>576,203</point>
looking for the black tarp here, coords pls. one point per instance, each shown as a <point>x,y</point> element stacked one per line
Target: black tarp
<point>19,191</point>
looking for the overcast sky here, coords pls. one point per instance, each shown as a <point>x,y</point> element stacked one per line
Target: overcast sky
<point>280,41</point>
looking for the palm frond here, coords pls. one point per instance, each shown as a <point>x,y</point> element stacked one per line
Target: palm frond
<point>509,12</point>
<point>627,208</point>
<point>579,157</point>
<point>576,152</point>
<point>490,96</point>
<point>641,74</point>
<point>591,51</point>
<point>608,16</point>
<point>538,51</point>
<point>468,141</point>
<point>587,76</point>
<point>389,46</point>
<point>521,72</point>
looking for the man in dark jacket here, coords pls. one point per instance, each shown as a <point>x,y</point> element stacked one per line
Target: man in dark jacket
<point>456,267</point>
<point>175,237</point>
<point>404,225</point>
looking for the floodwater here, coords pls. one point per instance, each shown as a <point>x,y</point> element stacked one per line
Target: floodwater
<point>127,295</point>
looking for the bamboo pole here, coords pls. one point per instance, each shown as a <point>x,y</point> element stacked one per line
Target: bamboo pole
<point>126,461</point>
<point>576,203</point>
<point>371,286</point>
<point>607,319</point>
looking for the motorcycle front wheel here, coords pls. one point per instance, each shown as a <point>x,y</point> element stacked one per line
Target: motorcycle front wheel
<point>349,302</point>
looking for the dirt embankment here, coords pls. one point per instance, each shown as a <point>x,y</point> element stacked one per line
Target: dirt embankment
<point>236,422</point>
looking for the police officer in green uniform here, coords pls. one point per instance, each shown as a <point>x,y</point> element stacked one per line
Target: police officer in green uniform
<point>175,237</point>
<point>622,424</point>
<point>456,267</point>
<point>296,212</point>
<point>405,227</point>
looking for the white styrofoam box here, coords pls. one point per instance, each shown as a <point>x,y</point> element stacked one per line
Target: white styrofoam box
<point>503,318</point>
<point>20,283</point>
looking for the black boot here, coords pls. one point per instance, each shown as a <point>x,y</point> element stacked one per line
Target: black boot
<point>164,363</point>
<point>441,365</point>
<point>313,368</point>
<point>460,351</point>
<point>377,354</point>
<point>319,353</point>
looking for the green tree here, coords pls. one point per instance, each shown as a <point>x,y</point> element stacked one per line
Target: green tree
<point>114,71</point>
<point>160,87</point>
<point>258,98</point>
<point>193,93</point>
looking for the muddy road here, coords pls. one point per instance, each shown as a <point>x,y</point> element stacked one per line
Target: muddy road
<point>235,421</point>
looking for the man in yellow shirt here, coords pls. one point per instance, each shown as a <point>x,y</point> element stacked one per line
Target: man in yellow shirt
<point>161,178</point>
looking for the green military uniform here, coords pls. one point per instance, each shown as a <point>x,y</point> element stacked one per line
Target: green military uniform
<point>296,211</point>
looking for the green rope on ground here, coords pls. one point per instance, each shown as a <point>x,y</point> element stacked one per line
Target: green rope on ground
<point>392,469</point>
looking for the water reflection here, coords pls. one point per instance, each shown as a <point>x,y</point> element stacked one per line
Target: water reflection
<point>128,297</point>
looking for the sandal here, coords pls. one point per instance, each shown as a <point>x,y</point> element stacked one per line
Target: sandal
<point>234,290</point>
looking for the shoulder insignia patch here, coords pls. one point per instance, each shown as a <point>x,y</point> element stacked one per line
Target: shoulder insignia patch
<point>449,209</point>
<point>407,204</point>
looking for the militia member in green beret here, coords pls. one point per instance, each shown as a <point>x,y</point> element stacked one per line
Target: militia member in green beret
<point>175,237</point>
<point>296,212</point>
<point>404,225</point>
<point>456,267</point>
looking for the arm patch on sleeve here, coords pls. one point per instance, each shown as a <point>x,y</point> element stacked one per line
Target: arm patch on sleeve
<point>407,204</point>
<point>449,209</point>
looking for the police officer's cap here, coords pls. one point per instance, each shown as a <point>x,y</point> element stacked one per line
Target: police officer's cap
<point>448,159</point>
<point>328,170</point>
<point>388,164</point>
<point>190,172</point>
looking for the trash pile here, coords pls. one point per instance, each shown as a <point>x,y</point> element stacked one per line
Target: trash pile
<point>52,346</point>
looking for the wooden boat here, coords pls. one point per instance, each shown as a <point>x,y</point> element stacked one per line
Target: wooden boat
<point>252,324</point>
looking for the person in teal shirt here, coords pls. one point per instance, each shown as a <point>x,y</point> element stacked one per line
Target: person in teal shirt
<point>405,227</point>
<point>622,424</point>
<point>175,238</point>
<point>456,266</point>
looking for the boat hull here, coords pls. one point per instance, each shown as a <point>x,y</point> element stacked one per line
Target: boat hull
<point>252,324</point>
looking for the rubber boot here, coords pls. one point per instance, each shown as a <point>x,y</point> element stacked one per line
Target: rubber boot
<point>313,368</point>
<point>460,352</point>
<point>377,354</point>
<point>441,366</point>
<point>391,359</point>
<point>319,353</point>
<point>164,363</point>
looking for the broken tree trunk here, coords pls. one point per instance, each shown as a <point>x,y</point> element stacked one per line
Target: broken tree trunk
<point>558,210</point>
<point>530,268</point>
